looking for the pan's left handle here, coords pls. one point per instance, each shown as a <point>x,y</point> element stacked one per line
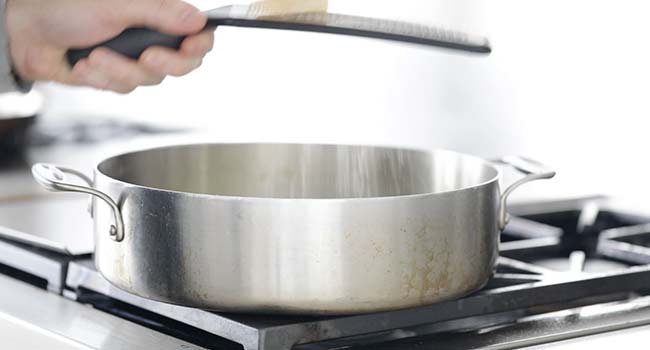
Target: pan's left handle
<point>533,170</point>
<point>54,179</point>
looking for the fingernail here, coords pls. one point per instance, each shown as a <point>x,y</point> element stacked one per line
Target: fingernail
<point>98,57</point>
<point>81,67</point>
<point>96,79</point>
<point>153,60</point>
<point>89,74</point>
<point>190,14</point>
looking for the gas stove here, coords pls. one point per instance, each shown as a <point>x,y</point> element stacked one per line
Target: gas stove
<point>567,269</point>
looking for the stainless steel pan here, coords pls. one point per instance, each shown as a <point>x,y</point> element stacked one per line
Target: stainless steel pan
<point>289,228</point>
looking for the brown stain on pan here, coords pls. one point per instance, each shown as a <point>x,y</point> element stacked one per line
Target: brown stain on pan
<point>426,272</point>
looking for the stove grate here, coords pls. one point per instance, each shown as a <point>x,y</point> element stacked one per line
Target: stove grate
<point>575,240</point>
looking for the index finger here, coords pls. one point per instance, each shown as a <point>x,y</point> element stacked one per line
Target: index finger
<point>170,16</point>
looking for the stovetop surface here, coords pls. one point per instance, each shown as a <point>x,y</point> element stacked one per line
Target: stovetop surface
<point>567,269</point>
<point>63,223</point>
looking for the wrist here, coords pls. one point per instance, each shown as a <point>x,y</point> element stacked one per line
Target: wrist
<point>8,80</point>
<point>11,31</point>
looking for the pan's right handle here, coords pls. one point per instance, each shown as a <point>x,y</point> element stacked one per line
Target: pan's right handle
<point>53,178</point>
<point>533,170</point>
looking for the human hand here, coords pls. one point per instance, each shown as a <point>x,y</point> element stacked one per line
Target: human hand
<point>40,33</point>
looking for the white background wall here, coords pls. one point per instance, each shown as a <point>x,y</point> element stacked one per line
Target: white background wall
<point>568,83</point>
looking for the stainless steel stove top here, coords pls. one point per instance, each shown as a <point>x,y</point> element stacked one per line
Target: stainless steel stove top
<point>61,226</point>
<point>567,269</point>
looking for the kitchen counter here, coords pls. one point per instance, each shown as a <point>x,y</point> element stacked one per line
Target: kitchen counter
<point>31,318</point>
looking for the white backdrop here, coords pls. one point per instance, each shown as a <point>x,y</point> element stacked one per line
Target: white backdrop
<point>567,83</point>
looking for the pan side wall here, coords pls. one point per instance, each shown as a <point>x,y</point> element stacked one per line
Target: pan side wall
<point>298,256</point>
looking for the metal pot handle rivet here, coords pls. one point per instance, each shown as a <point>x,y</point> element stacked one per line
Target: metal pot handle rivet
<point>53,178</point>
<point>533,170</point>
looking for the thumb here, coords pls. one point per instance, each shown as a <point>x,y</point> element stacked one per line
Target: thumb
<point>170,16</point>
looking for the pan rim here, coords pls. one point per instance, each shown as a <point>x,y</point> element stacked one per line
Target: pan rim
<point>497,174</point>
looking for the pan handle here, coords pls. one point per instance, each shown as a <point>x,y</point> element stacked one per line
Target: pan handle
<point>533,170</point>
<point>53,178</point>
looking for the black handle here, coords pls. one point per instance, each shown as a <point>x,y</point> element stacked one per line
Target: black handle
<point>130,43</point>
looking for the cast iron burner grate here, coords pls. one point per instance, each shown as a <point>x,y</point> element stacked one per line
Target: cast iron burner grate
<point>551,259</point>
